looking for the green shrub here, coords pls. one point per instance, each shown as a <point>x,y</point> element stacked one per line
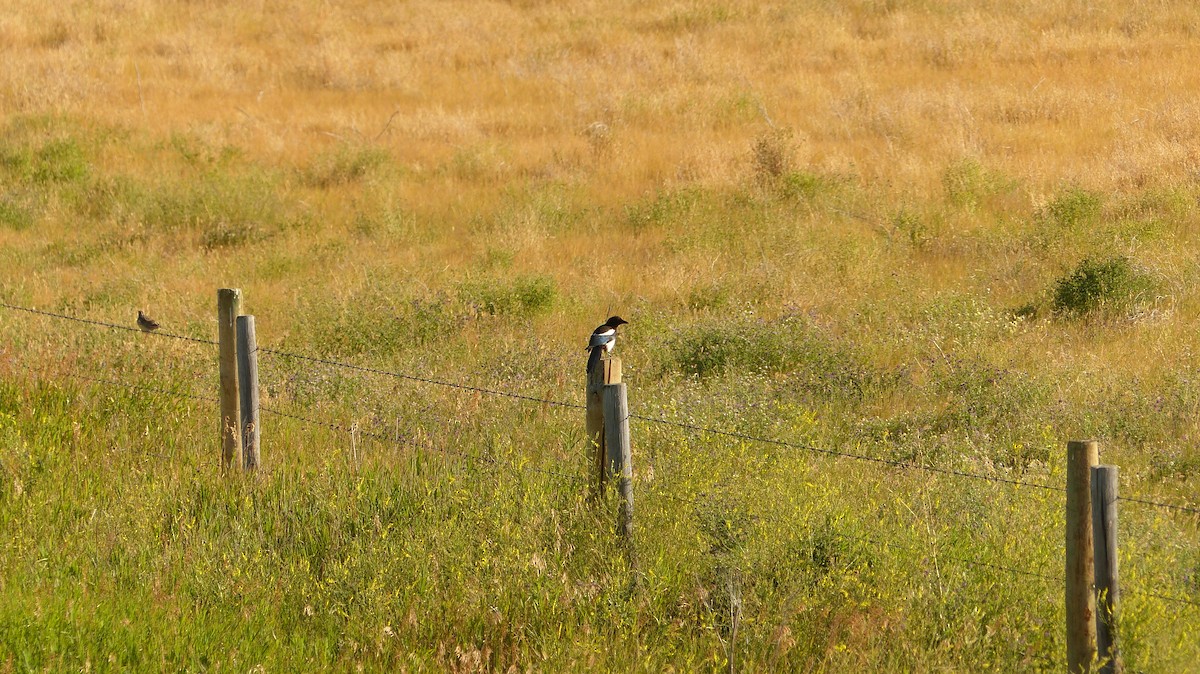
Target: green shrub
<point>199,154</point>
<point>818,363</point>
<point>987,399</point>
<point>224,211</point>
<point>378,320</point>
<point>57,161</point>
<point>667,207</point>
<point>804,185</point>
<point>711,349</point>
<point>1111,285</point>
<point>120,199</point>
<point>521,296</point>
<point>14,216</point>
<point>230,235</point>
<point>709,296</point>
<point>1072,208</point>
<point>913,227</point>
<point>968,184</point>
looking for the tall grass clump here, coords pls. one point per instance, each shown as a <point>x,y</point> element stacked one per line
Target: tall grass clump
<point>381,319</point>
<point>519,296</point>
<point>969,185</point>
<point>771,156</point>
<point>56,161</point>
<point>15,216</point>
<point>223,210</point>
<point>814,361</point>
<point>344,165</point>
<point>1073,208</point>
<point>668,208</point>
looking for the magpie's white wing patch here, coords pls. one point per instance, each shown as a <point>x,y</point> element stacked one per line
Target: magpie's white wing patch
<point>603,338</point>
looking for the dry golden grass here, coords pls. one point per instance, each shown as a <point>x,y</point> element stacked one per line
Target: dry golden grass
<point>838,223</point>
<point>1100,95</point>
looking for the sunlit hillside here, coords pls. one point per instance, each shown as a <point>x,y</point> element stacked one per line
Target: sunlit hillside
<point>896,253</point>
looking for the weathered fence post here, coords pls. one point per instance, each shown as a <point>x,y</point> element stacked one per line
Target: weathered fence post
<point>247,355</point>
<point>229,305</point>
<point>618,461</point>
<point>1080,602</point>
<point>607,372</point>
<point>1108,590</point>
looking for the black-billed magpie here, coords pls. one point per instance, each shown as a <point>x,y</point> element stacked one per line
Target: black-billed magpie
<point>146,323</point>
<point>604,338</point>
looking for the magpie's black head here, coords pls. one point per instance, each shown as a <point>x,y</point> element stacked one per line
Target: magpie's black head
<point>614,321</point>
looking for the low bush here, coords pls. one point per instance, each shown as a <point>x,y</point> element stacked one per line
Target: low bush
<point>523,295</point>
<point>1111,285</point>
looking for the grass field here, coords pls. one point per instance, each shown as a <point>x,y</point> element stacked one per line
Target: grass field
<point>954,235</point>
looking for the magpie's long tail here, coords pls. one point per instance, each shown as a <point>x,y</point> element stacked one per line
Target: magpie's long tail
<point>594,358</point>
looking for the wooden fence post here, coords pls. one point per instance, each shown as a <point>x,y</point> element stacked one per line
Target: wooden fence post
<point>1108,590</point>
<point>247,355</point>
<point>619,462</point>
<point>607,372</point>
<point>229,305</point>
<point>1080,602</point>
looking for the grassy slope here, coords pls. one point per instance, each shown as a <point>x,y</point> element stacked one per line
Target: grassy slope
<point>839,225</point>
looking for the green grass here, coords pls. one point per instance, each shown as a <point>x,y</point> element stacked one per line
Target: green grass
<point>816,309</point>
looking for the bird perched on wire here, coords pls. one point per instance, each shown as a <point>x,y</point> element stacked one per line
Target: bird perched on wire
<point>604,338</point>
<point>146,323</point>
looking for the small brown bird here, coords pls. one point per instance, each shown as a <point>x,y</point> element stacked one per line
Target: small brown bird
<point>146,323</point>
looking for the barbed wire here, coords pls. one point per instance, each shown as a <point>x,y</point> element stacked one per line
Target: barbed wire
<point>1019,572</point>
<point>1157,504</point>
<point>848,455</point>
<point>965,560</point>
<point>114,326</point>
<point>424,380</point>
<point>1163,597</point>
<point>659,420</point>
<point>402,440</point>
<point>494,465</point>
<point>569,405</point>
<point>126,385</point>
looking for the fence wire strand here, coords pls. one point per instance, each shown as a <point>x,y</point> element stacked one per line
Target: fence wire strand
<point>964,560</point>
<point>569,405</point>
<point>1158,504</point>
<point>668,422</point>
<point>848,455</point>
<point>398,439</point>
<point>1163,597</point>
<point>424,380</point>
<point>494,465</point>
<point>113,326</point>
<point>125,385</point>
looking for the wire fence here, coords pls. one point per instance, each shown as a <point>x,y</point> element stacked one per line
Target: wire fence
<point>492,464</point>
<point>639,417</point>
<point>668,422</point>
<point>423,380</point>
<point>107,324</point>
